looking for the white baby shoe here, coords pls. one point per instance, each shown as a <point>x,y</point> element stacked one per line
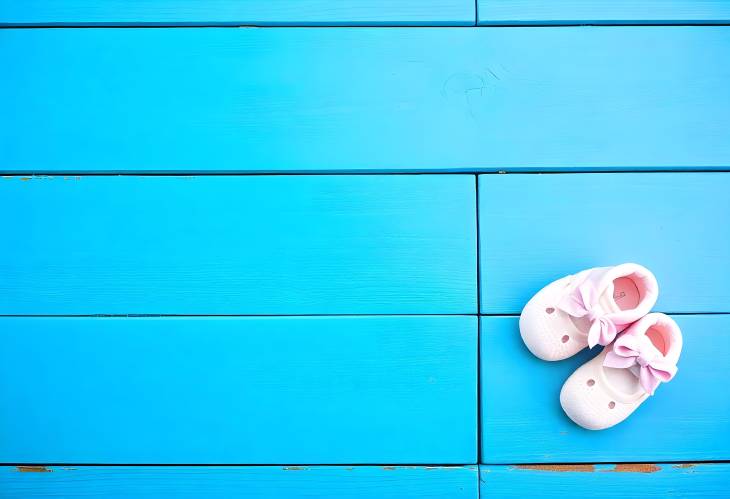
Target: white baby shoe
<point>586,309</point>
<point>608,388</point>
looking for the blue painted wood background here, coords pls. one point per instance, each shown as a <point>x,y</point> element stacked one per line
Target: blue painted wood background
<point>264,245</point>
<point>173,291</point>
<point>567,12</point>
<point>237,12</point>
<point>414,99</point>
<point>235,390</point>
<point>538,228</point>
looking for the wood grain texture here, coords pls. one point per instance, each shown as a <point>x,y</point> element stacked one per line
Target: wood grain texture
<point>606,481</point>
<point>537,228</point>
<point>317,390</point>
<point>496,12</point>
<point>431,99</point>
<point>261,482</point>
<point>238,245</point>
<point>237,12</point>
<point>522,421</point>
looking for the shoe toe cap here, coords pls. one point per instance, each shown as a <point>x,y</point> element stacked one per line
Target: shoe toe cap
<point>547,332</point>
<point>585,400</point>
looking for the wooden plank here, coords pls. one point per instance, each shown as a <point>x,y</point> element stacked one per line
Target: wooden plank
<point>537,228</point>
<point>522,421</point>
<point>432,99</point>
<point>254,245</point>
<point>606,481</point>
<point>530,12</point>
<point>306,390</point>
<point>236,12</point>
<point>261,482</point>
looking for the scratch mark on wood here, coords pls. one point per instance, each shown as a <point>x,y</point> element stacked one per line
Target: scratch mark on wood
<point>684,466</point>
<point>295,468</point>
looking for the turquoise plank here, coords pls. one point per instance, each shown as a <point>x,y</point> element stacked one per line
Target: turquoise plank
<point>254,245</point>
<point>261,482</point>
<point>606,481</point>
<point>236,12</point>
<point>522,421</point>
<point>526,12</point>
<point>306,390</point>
<point>537,228</point>
<point>431,99</point>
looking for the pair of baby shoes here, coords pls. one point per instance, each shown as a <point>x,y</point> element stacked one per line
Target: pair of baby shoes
<point>606,306</point>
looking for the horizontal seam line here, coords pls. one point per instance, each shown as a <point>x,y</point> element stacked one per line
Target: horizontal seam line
<point>343,173</point>
<point>237,464</point>
<point>346,25</point>
<point>659,311</point>
<point>224,315</point>
<point>426,464</point>
<point>350,315</point>
<point>573,463</point>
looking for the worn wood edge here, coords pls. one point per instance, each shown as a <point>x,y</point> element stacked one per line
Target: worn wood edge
<point>221,481</point>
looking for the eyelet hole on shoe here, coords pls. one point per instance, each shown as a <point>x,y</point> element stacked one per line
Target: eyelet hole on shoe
<point>565,338</point>
<point>591,382</point>
<point>611,404</point>
<point>549,310</point>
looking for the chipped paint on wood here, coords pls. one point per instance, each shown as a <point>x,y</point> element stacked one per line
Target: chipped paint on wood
<point>706,480</point>
<point>582,468</point>
<point>684,465</point>
<point>34,469</point>
<point>635,468</point>
<point>244,481</point>
<point>589,468</point>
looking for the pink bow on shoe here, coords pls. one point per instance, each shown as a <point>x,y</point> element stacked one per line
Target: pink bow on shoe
<point>638,355</point>
<point>579,303</point>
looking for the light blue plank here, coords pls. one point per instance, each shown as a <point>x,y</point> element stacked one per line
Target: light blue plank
<point>237,12</point>
<point>261,482</point>
<point>238,245</point>
<point>431,99</point>
<point>537,228</point>
<point>606,481</point>
<point>522,421</point>
<point>317,390</point>
<point>528,12</point>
